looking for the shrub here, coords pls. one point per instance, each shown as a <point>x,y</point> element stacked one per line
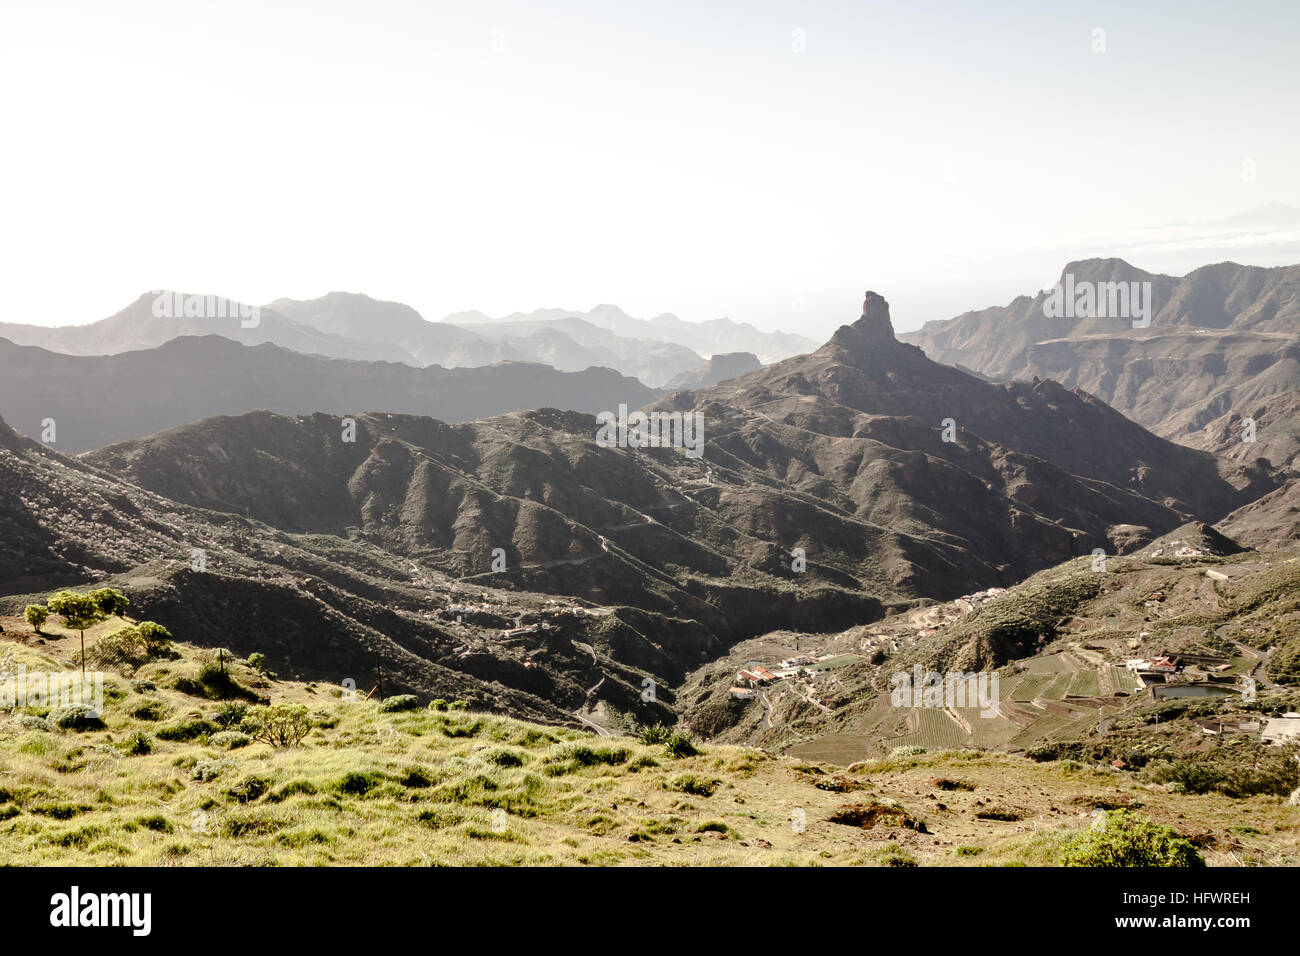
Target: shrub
<point>1124,839</point>
<point>355,784</point>
<point>125,647</point>
<point>400,702</point>
<point>257,661</point>
<point>439,818</point>
<point>220,685</point>
<point>77,717</point>
<point>36,615</point>
<point>30,722</point>
<point>438,704</point>
<point>190,728</point>
<point>417,779</point>
<point>231,714</point>
<point>907,751</point>
<point>205,770</point>
<point>138,744</point>
<point>680,744</point>
<point>1271,771</point>
<point>157,822</point>
<point>248,789</point>
<point>230,740</point>
<point>293,787</point>
<point>690,783</point>
<point>503,758</point>
<point>132,646</point>
<point>280,725</point>
<point>583,755</point>
<point>155,634</point>
<point>149,710</point>
<point>655,734</point>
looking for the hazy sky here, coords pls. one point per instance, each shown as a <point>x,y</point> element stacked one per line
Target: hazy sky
<point>694,157</point>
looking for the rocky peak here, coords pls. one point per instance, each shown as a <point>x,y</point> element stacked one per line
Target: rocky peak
<point>873,328</point>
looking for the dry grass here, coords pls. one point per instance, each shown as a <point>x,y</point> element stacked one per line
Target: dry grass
<point>459,788</point>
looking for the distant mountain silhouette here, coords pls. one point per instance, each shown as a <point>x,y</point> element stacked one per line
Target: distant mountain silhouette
<point>354,326</point>
<point>717,369</point>
<point>705,338</point>
<point>95,401</point>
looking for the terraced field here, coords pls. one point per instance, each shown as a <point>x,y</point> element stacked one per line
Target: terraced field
<point>1085,684</point>
<point>1031,686</point>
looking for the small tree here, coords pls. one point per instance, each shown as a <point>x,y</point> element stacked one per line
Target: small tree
<point>110,601</point>
<point>36,615</point>
<point>79,611</point>
<point>280,725</point>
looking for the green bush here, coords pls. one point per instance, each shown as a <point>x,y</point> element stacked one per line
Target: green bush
<point>1271,771</point>
<point>149,710</point>
<point>502,757</point>
<point>680,744</point>
<point>690,783</point>
<point>655,734</point>
<point>190,728</point>
<point>205,770</point>
<point>291,788</point>
<point>1123,839</point>
<point>138,744</point>
<point>248,789</point>
<point>587,756</point>
<point>230,740</point>
<point>231,714</point>
<point>77,717</point>
<point>400,702</point>
<point>356,784</point>
<point>219,685</point>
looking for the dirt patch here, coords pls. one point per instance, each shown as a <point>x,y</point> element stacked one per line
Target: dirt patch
<point>838,784</point>
<point>1117,801</point>
<point>1003,814</point>
<point>867,815</point>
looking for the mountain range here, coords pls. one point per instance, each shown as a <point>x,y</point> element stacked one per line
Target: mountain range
<point>833,488</point>
<point>351,326</point>
<point>1222,346</point>
<point>96,400</point>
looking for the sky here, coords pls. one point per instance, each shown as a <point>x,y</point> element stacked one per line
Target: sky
<point>767,161</point>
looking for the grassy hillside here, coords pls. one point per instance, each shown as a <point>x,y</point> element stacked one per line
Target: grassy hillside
<point>169,779</point>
